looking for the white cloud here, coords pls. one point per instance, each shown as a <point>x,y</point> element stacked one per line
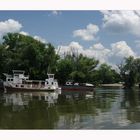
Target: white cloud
<point>112,56</point>
<point>40,39</point>
<point>88,33</point>
<point>98,46</point>
<point>75,45</point>
<point>12,26</point>
<point>97,51</point>
<point>121,49</point>
<point>9,25</point>
<point>67,49</point>
<point>122,21</point>
<point>24,33</point>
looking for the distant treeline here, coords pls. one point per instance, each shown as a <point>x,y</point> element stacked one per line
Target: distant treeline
<point>20,52</point>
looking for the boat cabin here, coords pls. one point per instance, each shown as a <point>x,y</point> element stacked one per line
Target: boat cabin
<point>17,78</point>
<point>51,81</point>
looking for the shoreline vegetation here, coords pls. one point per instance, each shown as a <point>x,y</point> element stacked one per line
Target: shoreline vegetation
<point>117,85</point>
<point>112,85</point>
<point>23,52</point>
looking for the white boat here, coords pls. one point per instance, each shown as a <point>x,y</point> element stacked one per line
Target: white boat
<point>19,81</point>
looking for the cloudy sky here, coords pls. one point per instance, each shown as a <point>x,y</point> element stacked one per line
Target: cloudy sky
<point>109,36</point>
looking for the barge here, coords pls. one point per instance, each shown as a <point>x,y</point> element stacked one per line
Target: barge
<point>71,86</point>
<point>19,82</point>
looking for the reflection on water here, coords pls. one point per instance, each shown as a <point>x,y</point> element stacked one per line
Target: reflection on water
<point>20,100</point>
<point>104,109</point>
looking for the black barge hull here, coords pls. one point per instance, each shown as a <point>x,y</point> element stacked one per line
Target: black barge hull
<point>77,88</point>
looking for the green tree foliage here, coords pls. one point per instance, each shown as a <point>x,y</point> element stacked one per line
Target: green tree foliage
<point>22,52</point>
<point>130,71</point>
<point>105,75</point>
<point>50,58</point>
<point>2,58</point>
<point>64,68</point>
<point>77,68</point>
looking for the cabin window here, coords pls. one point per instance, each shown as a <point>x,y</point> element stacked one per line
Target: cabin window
<point>8,79</point>
<point>11,79</point>
<point>47,83</point>
<point>16,85</point>
<point>51,76</point>
<point>52,83</point>
<point>22,85</point>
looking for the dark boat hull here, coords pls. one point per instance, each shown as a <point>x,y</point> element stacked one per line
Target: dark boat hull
<point>77,88</point>
<point>28,89</point>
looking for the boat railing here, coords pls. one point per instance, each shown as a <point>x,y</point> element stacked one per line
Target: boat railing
<point>10,84</point>
<point>31,85</point>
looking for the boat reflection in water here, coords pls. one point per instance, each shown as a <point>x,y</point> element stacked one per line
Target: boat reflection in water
<point>41,110</point>
<point>107,109</point>
<point>78,94</point>
<point>20,100</point>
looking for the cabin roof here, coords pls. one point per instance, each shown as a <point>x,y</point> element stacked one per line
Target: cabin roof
<point>50,74</point>
<point>35,81</point>
<point>7,75</point>
<point>18,71</point>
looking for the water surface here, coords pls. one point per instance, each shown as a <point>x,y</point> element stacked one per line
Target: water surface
<point>107,108</point>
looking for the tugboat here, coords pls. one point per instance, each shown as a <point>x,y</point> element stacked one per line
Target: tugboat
<point>72,86</point>
<point>19,82</point>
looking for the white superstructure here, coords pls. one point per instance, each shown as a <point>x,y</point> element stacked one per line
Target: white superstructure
<point>19,81</point>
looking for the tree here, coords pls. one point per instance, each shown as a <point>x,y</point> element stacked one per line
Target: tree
<point>64,68</point>
<point>50,58</point>
<point>106,75</point>
<point>129,71</point>
<point>37,59</point>
<point>76,67</point>
<point>2,59</point>
<point>29,54</point>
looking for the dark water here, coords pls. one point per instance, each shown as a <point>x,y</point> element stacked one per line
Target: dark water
<point>107,109</point>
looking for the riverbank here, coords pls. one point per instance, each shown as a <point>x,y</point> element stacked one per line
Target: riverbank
<point>112,85</point>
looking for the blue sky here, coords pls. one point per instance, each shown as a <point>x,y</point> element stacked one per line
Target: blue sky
<point>106,35</point>
<point>55,28</point>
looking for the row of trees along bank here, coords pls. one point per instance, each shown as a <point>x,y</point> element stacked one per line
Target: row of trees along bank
<point>22,52</point>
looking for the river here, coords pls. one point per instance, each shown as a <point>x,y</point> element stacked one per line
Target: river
<point>107,108</point>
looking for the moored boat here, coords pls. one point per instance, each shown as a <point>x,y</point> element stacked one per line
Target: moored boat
<point>19,82</point>
<point>71,86</point>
